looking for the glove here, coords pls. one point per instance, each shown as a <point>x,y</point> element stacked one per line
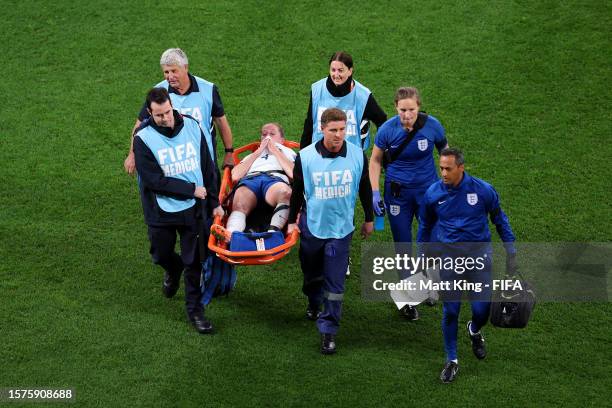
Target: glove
<point>511,265</point>
<point>378,204</point>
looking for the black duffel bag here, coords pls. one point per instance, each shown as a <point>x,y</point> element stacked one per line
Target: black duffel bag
<point>512,309</point>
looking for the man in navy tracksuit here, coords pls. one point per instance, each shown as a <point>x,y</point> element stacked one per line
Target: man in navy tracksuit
<point>178,187</point>
<point>458,205</point>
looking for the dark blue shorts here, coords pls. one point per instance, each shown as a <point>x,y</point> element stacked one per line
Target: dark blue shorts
<point>260,185</point>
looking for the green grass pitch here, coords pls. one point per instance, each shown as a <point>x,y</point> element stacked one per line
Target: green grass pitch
<point>522,86</point>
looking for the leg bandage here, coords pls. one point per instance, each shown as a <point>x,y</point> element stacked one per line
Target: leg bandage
<point>236,221</point>
<point>280,216</point>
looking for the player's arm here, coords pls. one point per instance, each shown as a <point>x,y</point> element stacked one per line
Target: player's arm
<point>241,169</point>
<point>244,166</point>
<point>152,176</point>
<point>285,163</point>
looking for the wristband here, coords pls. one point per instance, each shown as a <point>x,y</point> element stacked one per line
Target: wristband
<point>229,150</point>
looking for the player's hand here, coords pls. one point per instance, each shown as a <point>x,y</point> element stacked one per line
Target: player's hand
<point>292,227</point>
<point>262,146</point>
<point>218,212</point>
<point>228,160</point>
<point>377,203</point>
<point>273,149</point>
<point>130,163</point>
<point>200,192</point>
<point>366,229</point>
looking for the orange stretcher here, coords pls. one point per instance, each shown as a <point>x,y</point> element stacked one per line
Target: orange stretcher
<point>220,247</point>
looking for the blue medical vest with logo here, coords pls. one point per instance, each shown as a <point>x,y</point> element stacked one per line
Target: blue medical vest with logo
<point>352,104</point>
<point>198,105</point>
<point>415,166</point>
<point>178,157</point>
<point>331,186</point>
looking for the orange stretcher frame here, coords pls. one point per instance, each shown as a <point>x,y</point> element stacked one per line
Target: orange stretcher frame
<point>247,257</point>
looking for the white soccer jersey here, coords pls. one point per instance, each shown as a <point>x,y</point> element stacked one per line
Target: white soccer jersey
<point>267,162</point>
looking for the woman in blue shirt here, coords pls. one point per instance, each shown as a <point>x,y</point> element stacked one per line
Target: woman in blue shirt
<point>405,143</point>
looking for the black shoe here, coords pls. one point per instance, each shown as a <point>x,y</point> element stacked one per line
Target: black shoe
<point>328,343</point>
<point>313,313</point>
<point>171,284</point>
<point>409,312</point>
<point>201,324</point>
<point>450,372</point>
<point>478,346</point>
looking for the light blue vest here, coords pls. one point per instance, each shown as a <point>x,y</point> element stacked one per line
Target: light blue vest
<point>352,104</point>
<point>179,157</point>
<point>197,105</point>
<point>331,187</point>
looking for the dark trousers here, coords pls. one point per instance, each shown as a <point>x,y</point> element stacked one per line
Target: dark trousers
<point>163,241</point>
<point>324,263</point>
<point>451,305</point>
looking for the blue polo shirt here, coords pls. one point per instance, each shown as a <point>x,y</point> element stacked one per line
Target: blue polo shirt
<point>415,166</point>
<point>461,213</point>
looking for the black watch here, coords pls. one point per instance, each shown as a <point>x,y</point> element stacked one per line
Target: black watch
<point>229,150</point>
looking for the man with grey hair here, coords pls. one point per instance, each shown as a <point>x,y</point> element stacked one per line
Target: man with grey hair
<point>191,96</point>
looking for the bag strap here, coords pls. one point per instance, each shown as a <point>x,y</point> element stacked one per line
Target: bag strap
<point>418,125</point>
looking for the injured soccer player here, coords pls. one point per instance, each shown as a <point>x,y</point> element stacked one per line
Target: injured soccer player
<point>264,174</point>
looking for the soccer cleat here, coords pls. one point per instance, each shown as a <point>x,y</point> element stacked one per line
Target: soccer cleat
<point>409,312</point>
<point>449,372</point>
<point>313,313</point>
<point>220,233</point>
<point>478,346</point>
<point>328,343</point>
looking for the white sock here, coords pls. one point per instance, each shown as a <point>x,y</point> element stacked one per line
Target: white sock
<point>236,221</point>
<point>280,216</point>
<point>455,361</point>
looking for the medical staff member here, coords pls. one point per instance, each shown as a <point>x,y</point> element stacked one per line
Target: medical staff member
<point>177,180</point>
<point>192,96</point>
<point>407,140</point>
<point>340,90</point>
<point>458,205</point>
<point>328,175</point>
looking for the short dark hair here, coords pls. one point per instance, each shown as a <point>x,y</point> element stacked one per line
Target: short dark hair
<point>332,115</point>
<point>407,92</point>
<point>453,151</point>
<point>157,95</point>
<point>343,57</point>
